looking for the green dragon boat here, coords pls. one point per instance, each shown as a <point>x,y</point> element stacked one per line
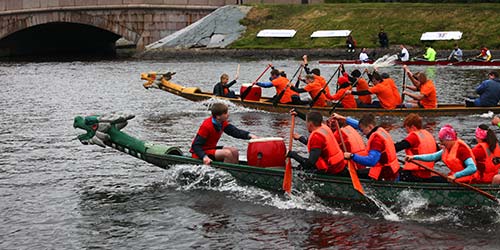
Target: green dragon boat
<point>105,130</point>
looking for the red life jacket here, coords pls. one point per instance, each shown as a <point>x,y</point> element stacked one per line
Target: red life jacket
<point>483,51</point>
<point>426,145</point>
<point>280,84</point>
<point>484,174</point>
<point>455,165</point>
<point>353,142</point>
<point>331,159</point>
<point>392,165</point>
<point>212,139</point>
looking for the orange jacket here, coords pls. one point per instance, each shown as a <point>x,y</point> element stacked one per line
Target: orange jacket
<point>426,145</point>
<point>314,88</point>
<point>449,158</point>
<point>353,142</point>
<point>280,84</point>
<point>332,158</point>
<point>389,151</point>
<point>363,85</point>
<point>348,102</point>
<point>486,171</point>
<point>428,90</point>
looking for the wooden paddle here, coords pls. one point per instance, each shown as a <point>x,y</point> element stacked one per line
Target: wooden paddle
<point>475,189</point>
<point>247,91</point>
<point>278,97</point>
<point>352,170</point>
<point>323,88</point>
<point>287,179</point>
<point>404,88</point>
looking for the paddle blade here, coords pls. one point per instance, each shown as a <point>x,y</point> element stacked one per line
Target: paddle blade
<point>287,179</point>
<point>354,178</point>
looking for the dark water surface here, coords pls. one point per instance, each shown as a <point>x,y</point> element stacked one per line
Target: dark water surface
<point>58,194</point>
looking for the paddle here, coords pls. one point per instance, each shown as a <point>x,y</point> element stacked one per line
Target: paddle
<point>297,83</point>
<point>345,94</point>
<point>404,88</point>
<point>287,179</point>
<point>352,170</point>
<point>475,189</point>
<point>323,88</point>
<point>277,99</point>
<point>247,91</point>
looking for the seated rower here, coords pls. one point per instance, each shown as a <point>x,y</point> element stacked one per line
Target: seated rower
<point>455,154</point>
<point>384,91</point>
<point>489,92</point>
<point>204,145</point>
<point>485,151</point>
<point>281,84</point>
<point>325,155</point>
<point>419,141</point>
<point>395,91</point>
<point>456,54</point>
<point>426,96</point>
<point>484,56</point>
<point>361,85</point>
<point>317,77</point>
<point>346,99</point>
<point>353,141</point>
<point>430,54</point>
<point>363,56</point>
<point>222,87</point>
<point>381,160</point>
<point>313,87</point>
<point>495,121</point>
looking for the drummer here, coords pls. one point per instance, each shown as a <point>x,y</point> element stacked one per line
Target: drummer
<point>325,155</point>
<point>204,145</point>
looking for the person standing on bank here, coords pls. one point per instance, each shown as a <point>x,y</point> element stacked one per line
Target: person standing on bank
<point>350,43</point>
<point>383,39</point>
<point>204,145</point>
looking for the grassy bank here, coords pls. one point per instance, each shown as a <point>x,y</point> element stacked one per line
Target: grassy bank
<point>403,22</point>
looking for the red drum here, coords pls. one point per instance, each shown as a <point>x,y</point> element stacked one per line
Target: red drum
<point>266,152</point>
<point>254,94</point>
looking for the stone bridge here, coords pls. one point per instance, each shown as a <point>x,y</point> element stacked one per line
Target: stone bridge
<point>34,26</point>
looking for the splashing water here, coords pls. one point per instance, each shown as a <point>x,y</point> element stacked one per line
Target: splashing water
<point>387,213</point>
<point>385,61</point>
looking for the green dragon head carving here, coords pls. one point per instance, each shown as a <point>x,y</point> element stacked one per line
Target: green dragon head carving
<point>97,127</point>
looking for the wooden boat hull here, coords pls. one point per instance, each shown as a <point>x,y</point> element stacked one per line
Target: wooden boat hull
<point>195,94</point>
<point>424,63</point>
<point>328,187</point>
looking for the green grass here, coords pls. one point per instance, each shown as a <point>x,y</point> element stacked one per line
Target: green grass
<point>403,22</point>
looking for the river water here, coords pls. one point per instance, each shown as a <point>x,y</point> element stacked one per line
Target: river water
<point>58,194</point>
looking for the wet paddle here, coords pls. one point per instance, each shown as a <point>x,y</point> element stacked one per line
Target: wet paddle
<point>475,189</point>
<point>247,91</point>
<point>352,170</point>
<point>323,89</point>
<point>287,178</point>
<point>404,88</point>
<point>278,97</point>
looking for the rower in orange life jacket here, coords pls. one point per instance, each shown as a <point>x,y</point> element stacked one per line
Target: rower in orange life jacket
<point>386,91</point>
<point>204,145</point>
<point>280,83</point>
<point>426,96</point>
<point>317,77</point>
<point>346,100</point>
<point>485,151</point>
<point>381,160</point>
<point>353,141</point>
<point>455,154</point>
<point>419,141</point>
<point>325,155</point>
<point>313,87</point>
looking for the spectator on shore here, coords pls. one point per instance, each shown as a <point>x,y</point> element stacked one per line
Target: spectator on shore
<point>350,43</point>
<point>383,39</point>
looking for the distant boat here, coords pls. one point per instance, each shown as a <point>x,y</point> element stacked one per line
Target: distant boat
<point>440,63</point>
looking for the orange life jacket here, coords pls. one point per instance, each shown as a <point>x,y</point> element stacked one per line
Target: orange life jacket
<point>389,151</point>
<point>353,142</point>
<point>363,85</point>
<point>426,145</point>
<point>449,158</point>
<point>280,84</point>
<point>331,159</point>
<point>484,174</point>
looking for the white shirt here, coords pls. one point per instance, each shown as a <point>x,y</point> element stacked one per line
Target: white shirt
<point>406,55</point>
<point>363,57</point>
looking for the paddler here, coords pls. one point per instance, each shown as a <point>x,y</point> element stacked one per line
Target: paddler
<point>430,53</point>
<point>486,150</point>
<point>489,92</point>
<point>204,145</point>
<point>317,77</point>
<point>281,83</point>
<point>455,153</point>
<point>418,141</point>
<point>384,90</point>
<point>353,141</point>
<point>485,55</point>
<point>426,95</point>
<point>313,87</point>
<point>222,87</point>
<point>381,160</point>
<point>325,155</point>
<point>495,121</point>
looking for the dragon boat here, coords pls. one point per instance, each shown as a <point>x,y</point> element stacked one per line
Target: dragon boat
<point>423,63</point>
<point>105,131</point>
<point>255,101</point>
